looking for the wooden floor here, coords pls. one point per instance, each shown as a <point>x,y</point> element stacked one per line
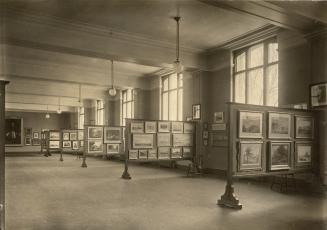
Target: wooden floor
<point>46,194</point>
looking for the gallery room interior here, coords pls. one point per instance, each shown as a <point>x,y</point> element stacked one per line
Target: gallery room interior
<point>154,114</point>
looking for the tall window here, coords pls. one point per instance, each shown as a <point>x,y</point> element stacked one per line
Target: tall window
<point>256,74</point>
<point>100,112</point>
<point>172,97</point>
<point>127,105</point>
<point>81,118</point>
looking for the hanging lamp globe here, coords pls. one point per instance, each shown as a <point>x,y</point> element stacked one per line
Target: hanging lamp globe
<point>112,91</point>
<point>177,65</point>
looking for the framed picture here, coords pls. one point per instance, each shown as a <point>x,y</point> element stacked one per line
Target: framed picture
<point>279,125</point>
<point>163,139</point>
<point>142,141</point>
<point>187,152</point>
<point>218,117</point>
<point>95,132</point>
<point>303,154</point>
<point>250,155</point>
<point>176,153</point>
<point>81,143</point>
<point>28,141</point>
<point>218,127</point>
<point>250,124</point>
<point>182,139</point>
<point>80,134</point>
<point>152,154</point>
<point>14,132</point>
<point>54,135</point>
<point>188,127</point>
<point>54,144</point>
<point>163,153</point>
<point>65,136</point>
<point>73,136</point>
<point>177,127</point>
<point>196,112</point>
<point>205,134</point>
<point>188,118</point>
<point>95,146</point>
<point>163,126</point>
<point>318,94</point>
<point>36,142</point>
<point>280,155</point>
<point>304,127</point>
<point>36,135</point>
<point>112,135</point>
<point>137,127</point>
<point>143,154</point>
<point>75,145</point>
<point>205,142</point>
<point>150,127</point>
<point>66,144</point>
<point>133,154</point>
<point>113,148</point>
<point>28,132</point>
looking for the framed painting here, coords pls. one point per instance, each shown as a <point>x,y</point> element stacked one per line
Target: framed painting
<point>177,127</point>
<point>80,134</point>
<point>28,141</point>
<point>187,152</point>
<point>250,155</point>
<point>95,146</point>
<point>163,126</point>
<point>163,139</point>
<point>112,134</point>
<point>182,139</point>
<point>318,94</point>
<point>36,135</point>
<point>65,136</point>
<point>303,154</point>
<point>143,154</point>
<point>28,132</point>
<point>66,144</point>
<point>163,153</point>
<point>81,143</point>
<point>95,132</point>
<point>133,154</point>
<point>54,144</point>
<point>142,141</point>
<point>176,153</point>
<point>152,154</point>
<point>218,117</point>
<point>113,148</point>
<point>54,135</point>
<point>36,142</point>
<point>304,127</point>
<point>14,132</point>
<point>75,145</point>
<point>137,127</point>
<point>73,136</point>
<point>279,125</point>
<point>250,124</point>
<point>280,155</point>
<point>188,127</point>
<point>196,112</point>
<point>150,127</point>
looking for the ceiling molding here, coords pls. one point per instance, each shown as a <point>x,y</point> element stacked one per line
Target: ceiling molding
<point>94,29</point>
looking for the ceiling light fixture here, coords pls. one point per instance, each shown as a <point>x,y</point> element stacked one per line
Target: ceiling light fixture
<point>178,67</point>
<point>112,91</point>
<point>47,115</point>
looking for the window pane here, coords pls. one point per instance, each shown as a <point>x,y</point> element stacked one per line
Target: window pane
<point>132,109</point>
<point>129,111</point>
<point>272,52</point>
<point>165,106</point>
<point>180,80</point>
<point>272,85</point>
<point>256,55</point>
<point>124,96</point>
<point>240,88</point>
<point>173,81</point>
<point>240,62</point>
<point>165,84</point>
<point>129,95</point>
<point>255,87</point>
<point>180,104</point>
<point>124,111</point>
<point>173,105</point>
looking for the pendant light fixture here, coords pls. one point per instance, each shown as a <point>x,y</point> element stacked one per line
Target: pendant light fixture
<point>47,115</point>
<point>112,91</point>
<point>178,67</point>
<point>59,109</point>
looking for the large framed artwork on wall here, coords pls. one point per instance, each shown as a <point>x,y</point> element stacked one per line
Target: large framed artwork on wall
<point>279,125</point>
<point>250,124</point>
<point>304,127</point>
<point>318,94</point>
<point>280,155</point>
<point>14,132</point>
<point>250,155</point>
<point>303,154</point>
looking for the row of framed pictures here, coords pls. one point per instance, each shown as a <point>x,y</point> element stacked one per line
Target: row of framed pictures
<point>74,145</point>
<point>97,146</point>
<point>250,125</point>
<point>280,155</point>
<point>147,141</point>
<point>161,127</point>
<point>107,134</point>
<point>31,141</point>
<point>160,153</point>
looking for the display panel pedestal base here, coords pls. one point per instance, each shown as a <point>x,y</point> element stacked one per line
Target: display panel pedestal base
<point>193,170</point>
<point>229,199</point>
<point>84,165</point>
<point>126,174</point>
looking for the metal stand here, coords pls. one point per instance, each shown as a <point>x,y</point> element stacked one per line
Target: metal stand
<point>84,165</point>
<point>126,174</point>
<point>61,159</point>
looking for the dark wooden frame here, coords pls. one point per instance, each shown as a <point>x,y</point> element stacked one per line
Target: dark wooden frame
<point>194,107</point>
<point>311,96</point>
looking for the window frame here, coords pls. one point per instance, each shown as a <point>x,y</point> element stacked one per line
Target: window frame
<point>127,102</point>
<point>100,112</point>
<point>265,66</point>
